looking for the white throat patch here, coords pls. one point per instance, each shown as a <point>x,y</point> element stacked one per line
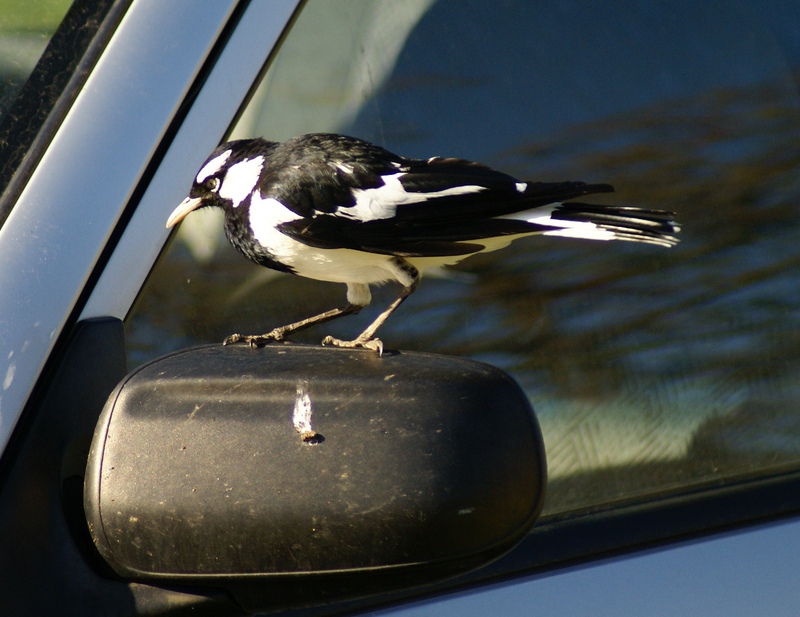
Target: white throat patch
<point>241,179</point>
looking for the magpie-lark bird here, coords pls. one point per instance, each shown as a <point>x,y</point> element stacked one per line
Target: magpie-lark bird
<point>340,209</point>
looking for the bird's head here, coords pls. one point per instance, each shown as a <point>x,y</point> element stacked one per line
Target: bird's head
<point>227,177</point>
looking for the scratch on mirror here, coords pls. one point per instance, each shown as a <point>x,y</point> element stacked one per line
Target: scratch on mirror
<point>301,417</point>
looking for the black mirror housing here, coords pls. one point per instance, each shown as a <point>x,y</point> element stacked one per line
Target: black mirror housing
<point>314,472</point>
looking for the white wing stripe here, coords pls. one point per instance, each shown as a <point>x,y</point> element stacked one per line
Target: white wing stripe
<point>381,202</point>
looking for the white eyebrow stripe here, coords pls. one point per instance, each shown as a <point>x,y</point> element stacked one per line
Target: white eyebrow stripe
<point>212,167</point>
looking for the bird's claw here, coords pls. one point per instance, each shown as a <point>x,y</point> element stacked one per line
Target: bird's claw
<point>374,344</point>
<point>254,340</point>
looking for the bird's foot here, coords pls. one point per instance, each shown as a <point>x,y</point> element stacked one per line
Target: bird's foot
<point>374,344</point>
<point>255,340</point>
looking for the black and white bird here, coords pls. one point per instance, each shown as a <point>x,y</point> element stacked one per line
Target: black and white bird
<point>340,209</point>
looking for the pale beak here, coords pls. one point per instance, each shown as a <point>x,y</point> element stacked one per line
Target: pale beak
<point>187,205</point>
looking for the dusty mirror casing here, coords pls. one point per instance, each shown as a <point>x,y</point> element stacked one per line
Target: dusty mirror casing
<point>316,472</point>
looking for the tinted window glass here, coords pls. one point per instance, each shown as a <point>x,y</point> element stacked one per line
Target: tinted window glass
<point>25,29</point>
<point>43,64</point>
<point>651,370</point>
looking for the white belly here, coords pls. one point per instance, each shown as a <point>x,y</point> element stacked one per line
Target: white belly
<point>333,265</point>
<point>349,266</point>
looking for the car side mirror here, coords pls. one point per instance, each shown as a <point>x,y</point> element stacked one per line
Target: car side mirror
<point>297,475</point>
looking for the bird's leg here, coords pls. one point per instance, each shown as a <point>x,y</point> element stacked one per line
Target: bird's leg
<point>278,334</point>
<point>410,279</point>
<point>366,338</point>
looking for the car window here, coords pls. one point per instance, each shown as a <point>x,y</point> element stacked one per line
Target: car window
<point>25,30</point>
<point>652,371</point>
<point>42,46</point>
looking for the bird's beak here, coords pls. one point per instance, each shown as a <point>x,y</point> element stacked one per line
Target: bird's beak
<point>187,205</point>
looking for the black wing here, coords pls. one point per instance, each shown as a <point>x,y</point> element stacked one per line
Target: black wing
<point>438,226</point>
<point>317,173</point>
<point>357,195</point>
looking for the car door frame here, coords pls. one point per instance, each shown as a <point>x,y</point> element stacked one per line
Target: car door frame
<point>117,162</point>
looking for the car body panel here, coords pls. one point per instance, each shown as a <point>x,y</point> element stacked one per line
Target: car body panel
<point>736,574</point>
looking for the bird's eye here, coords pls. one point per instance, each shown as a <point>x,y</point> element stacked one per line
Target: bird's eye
<point>211,184</point>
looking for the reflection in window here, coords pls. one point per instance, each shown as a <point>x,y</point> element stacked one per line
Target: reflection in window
<point>651,370</point>
<point>25,29</point>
